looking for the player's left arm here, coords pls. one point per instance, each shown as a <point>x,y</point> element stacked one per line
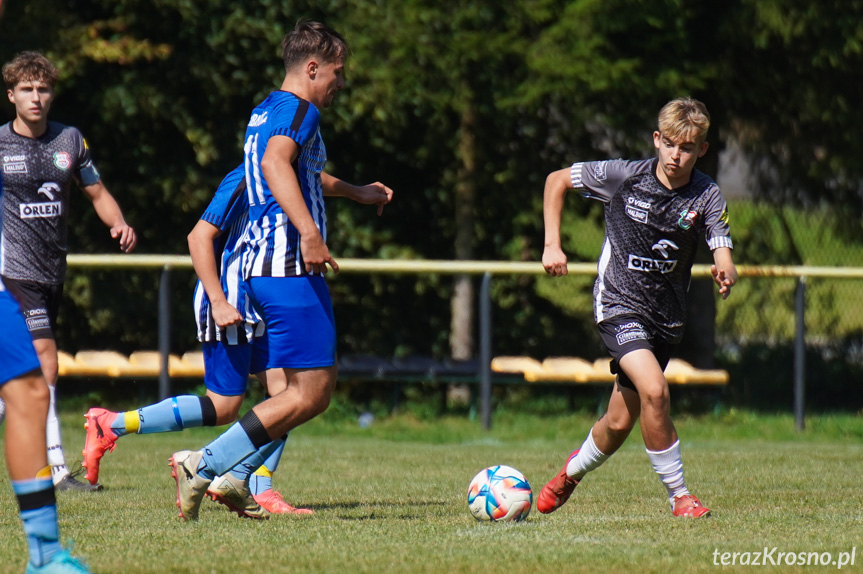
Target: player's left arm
<point>723,270</point>
<point>109,212</point>
<point>372,194</point>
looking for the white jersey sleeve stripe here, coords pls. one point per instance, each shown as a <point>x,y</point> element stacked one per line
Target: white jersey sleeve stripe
<point>575,175</point>
<point>720,241</point>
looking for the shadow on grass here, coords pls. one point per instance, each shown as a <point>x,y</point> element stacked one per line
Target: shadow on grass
<point>373,515</point>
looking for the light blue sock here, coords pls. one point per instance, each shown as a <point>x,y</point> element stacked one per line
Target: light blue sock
<point>173,414</point>
<point>244,469</point>
<point>38,510</point>
<point>230,448</point>
<point>262,479</point>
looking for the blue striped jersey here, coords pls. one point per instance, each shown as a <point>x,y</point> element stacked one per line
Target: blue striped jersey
<point>651,237</point>
<point>229,211</point>
<point>274,242</point>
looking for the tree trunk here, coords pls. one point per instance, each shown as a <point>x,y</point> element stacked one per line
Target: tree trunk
<point>462,304</point>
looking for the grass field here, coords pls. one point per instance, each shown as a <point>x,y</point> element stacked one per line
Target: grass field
<point>392,498</point>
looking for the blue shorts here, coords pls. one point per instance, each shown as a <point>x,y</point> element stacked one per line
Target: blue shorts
<point>298,312</point>
<point>17,355</point>
<point>227,367</point>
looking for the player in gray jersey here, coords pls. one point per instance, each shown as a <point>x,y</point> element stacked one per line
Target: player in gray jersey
<point>40,161</point>
<point>655,212</point>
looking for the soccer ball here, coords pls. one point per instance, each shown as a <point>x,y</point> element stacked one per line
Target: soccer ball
<point>499,494</point>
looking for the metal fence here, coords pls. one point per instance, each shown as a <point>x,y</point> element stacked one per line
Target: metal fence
<point>772,304</point>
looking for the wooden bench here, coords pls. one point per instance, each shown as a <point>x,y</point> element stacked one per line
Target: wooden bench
<point>140,364</point>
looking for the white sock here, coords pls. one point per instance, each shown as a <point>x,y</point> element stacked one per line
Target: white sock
<point>56,458</point>
<point>588,458</point>
<point>669,467</point>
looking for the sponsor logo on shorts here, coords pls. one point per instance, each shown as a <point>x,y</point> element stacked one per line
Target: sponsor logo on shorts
<point>62,160</point>
<point>35,323</point>
<point>646,264</point>
<point>40,210</point>
<point>629,332</point>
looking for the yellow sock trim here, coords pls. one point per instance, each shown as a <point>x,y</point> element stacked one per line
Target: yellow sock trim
<point>131,421</point>
<point>44,473</point>
<point>264,471</point>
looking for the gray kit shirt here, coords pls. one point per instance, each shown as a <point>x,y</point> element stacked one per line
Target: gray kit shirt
<point>651,239</point>
<point>37,176</point>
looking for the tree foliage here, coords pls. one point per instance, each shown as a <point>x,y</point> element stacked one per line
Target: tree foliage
<point>462,107</point>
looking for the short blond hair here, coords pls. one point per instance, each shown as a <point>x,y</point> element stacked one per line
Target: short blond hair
<point>30,67</point>
<point>684,119</point>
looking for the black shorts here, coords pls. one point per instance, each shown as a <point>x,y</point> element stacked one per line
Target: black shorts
<point>623,334</point>
<point>40,304</point>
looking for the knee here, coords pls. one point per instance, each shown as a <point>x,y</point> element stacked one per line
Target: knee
<point>31,394</point>
<point>318,404</point>
<point>655,398</point>
<point>227,416</point>
<point>619,422</point>
<point>227,408</point>
<point>39,392</point>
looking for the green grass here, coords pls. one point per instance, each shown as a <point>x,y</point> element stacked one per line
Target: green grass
<point>392,498</point>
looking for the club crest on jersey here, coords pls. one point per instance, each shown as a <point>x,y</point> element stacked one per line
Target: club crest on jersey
<point>62,160</point>
<point>687,218</point>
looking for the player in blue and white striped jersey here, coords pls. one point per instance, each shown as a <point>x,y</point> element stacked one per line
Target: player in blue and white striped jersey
<point>234,344</point>
<point>285,157</point>
<point>656,211</point>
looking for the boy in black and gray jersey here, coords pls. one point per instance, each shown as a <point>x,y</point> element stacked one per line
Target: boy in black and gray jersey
<point>655,211</point>
<point>40,160</point>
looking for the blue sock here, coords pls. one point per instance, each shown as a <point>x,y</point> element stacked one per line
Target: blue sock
<point>38,507</point>
<point>170,415</point>
<point>233,446</point>
<point>244,469</point>
<point>262,479</point>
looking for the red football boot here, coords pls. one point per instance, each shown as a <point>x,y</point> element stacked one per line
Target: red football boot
<point>558,490</point>
<point>689,505</point>
<point>100,439</point>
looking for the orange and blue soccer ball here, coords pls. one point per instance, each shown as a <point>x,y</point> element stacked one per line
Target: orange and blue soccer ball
<point>499,494</point>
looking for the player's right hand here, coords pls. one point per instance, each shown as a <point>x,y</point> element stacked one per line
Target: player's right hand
<point>316,255</point>
<point>224,314</point>
<point>554,261</point>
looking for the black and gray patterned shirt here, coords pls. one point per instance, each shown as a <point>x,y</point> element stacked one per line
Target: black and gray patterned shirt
<point>651,239</point>
<point>37,176</point>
